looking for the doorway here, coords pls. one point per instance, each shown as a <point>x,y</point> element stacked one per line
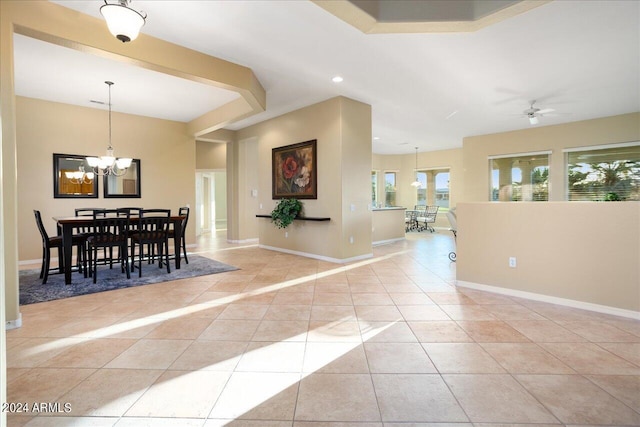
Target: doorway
<point>211,201</point>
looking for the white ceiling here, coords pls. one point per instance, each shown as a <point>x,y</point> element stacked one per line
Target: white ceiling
<point>581,58</point>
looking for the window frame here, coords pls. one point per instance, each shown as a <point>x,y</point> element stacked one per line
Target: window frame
<point>374,189</point>
<point>491,158</point>
<point>395,186</point>
<point>438,169</point>
<point>566,152</point>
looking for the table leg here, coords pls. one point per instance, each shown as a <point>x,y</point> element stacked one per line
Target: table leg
<point>67,251</point>
<point>177,240</point>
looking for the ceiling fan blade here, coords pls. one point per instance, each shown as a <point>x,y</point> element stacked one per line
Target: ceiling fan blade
<point>545,111</point>
<point>554,114</point>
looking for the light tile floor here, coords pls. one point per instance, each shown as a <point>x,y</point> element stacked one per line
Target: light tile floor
<point>292,341</point>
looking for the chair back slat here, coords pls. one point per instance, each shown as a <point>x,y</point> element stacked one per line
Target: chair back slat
<point>110,225</point>
<point>86,212</point>
<point>43,231</point>
<point>134,211</point>
<point>153,225</point>
<point>184,211</point>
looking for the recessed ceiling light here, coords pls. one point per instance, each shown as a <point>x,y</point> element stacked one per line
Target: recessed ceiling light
<point>376,138</point>
<point>337,79</point>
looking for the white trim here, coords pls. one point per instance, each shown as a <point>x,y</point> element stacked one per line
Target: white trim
<point>431,169</point>
<point>14,324</point>
<point>552,300</point>
<point>243,241</point>
<point>36,261</point>
<point>217,141</point>
<point>315,256</point>
<point>384,242</point>
<point>530,153</point>
<point>601,146</point>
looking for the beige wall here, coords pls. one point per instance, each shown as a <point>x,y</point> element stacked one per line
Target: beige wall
<point>477,149</point>
<point>166,153</point>
<point>580,250</point>
<point>405,165</point>
<point>211,155</point>
<point>583,251</point>
<point>342,128</point>
<point>56,24</point>
<point>388,225</point>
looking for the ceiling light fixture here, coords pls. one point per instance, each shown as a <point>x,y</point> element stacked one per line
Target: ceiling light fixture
<point>123,22</point>
<point>416,183</point>
<point>533,119</point>
<point>109,165</point>
<point>337,79</point>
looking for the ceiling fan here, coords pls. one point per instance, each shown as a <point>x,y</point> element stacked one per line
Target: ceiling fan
<point>532,113</point>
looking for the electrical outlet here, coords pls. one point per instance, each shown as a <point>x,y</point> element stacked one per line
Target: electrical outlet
<point>351,240</point>
<point>286,234</point>
<point>512,262</point>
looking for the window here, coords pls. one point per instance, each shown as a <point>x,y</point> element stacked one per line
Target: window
<point>434,189</point>
<point>389,189</point>
<point>442,189</point>
<point>374,188</point>
<point>422,190</point>
<point>520,178</point>
<point>604,173</point>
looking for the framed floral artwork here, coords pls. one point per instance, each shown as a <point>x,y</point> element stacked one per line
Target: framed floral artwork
<point>294,173</point>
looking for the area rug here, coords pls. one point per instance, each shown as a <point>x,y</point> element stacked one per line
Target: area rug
<point>32,290</point>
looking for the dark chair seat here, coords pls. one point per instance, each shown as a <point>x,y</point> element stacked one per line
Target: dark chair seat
<point>149,235</point>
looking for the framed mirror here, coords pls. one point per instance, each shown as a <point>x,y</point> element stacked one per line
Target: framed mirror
<point>73,178</point>
<point>126,185</point>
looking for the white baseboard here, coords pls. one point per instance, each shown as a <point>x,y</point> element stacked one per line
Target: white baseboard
<point>384,242</point>
<point>552,300</point>
<point>243,241</point>
<point>320,257</point>
<point>54,260</point>
<point>14,324</point>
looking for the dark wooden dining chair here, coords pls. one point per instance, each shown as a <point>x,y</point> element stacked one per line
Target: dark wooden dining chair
<point>184,211</point>
<point>56,242</point>
<point>86,231</point>
<point>134,211</point>
<point>110,228</point>
<point>151,229</point>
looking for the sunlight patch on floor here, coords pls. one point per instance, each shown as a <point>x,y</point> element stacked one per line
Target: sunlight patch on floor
<point>128,325</point>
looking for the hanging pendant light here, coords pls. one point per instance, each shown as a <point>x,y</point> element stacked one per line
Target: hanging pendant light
<point>109,164</point>
<point>123,22</point>
<point>416,183</point>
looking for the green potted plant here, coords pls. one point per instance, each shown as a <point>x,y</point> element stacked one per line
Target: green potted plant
<point>612,197</point>
<point>285,211</point>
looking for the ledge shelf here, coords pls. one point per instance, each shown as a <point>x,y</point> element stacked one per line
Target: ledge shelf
<point>302,218</point>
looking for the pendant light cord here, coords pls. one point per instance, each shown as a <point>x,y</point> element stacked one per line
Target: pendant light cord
<point>109,83</point>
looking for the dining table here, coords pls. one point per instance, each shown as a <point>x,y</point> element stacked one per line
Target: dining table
<point>67,224</point>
